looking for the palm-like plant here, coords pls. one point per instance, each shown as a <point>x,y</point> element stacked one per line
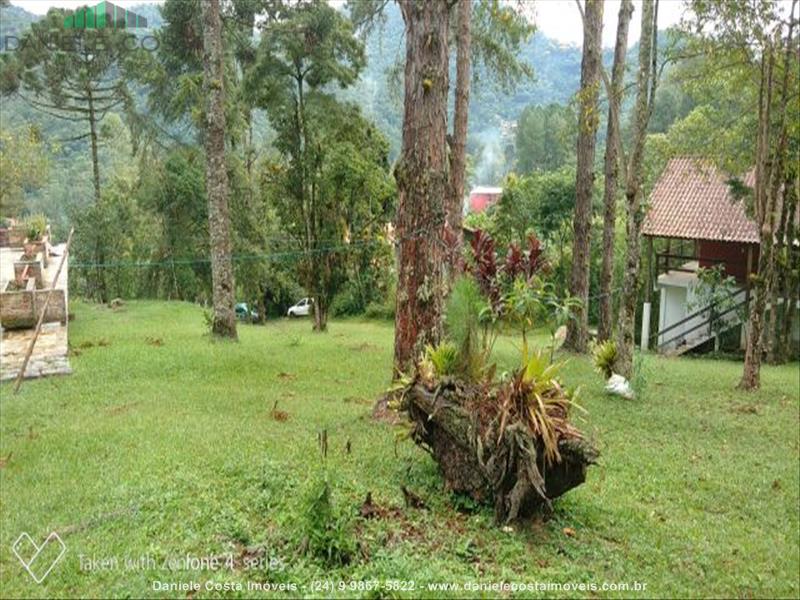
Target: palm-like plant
<point>605,355</point>
<point>536,397</point>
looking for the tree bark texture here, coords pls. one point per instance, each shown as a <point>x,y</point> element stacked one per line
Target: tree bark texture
<point>770,163</point>
<point>458,151</point>
<point>504,471</point>
<point>422,182</point>
<point>645,95</point>
<point>224,320</point>
<point>578,328</point>
<point>611,169</point>
<point>791,279</point>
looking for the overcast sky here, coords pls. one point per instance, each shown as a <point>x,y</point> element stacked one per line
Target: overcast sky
<point>558,19</point>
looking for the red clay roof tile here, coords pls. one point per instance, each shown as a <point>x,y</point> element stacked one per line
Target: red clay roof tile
<point>692,200</point>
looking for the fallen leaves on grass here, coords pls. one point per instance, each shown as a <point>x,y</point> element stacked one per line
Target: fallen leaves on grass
<point>278,415</point>
<point>101,342</point>
<point>356,400</point>
<point>412,500</point>
<point>745,409</point>
<point>154,341</point>
<point>569,532</point>
<point>368,508</point>
<point>121,408</point>
<point>363,347</point>
<point>287,376</point>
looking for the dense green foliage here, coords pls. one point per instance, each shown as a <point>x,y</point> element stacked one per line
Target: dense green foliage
<point>330,182</point>
<point>546,137</point>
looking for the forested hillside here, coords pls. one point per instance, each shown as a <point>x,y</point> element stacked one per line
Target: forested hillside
<point>495,109</point>
<point>556,70</point>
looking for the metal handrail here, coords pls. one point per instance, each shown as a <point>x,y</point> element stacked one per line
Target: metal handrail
<point>694,315</point>
<point>703,324</point>
<point>664,257</point>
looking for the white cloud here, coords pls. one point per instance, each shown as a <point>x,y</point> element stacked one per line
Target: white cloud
<point>561,20</point>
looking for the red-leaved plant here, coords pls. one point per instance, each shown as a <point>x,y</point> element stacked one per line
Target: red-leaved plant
<point>492,278</point>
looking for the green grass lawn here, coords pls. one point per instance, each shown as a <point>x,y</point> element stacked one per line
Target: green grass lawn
<point>162,445</point>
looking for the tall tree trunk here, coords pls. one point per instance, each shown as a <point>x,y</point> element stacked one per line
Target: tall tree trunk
<point>578,328</point>
<point>458,151</point>
<point>791,278</point>
<point>93,139</point>
<point>422,180</point>
<point>101,288</point>
<point>645,95</point>
<point>769,177</point>
<point>771,337</point>
<point>224,321</point>
<point>320,313</point>
<point>751,375</point>
<point>612,158</point>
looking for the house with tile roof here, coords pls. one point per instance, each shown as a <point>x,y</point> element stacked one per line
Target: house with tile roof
<point>692,207</point>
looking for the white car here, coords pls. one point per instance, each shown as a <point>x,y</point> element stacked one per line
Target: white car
<point>301,309</point>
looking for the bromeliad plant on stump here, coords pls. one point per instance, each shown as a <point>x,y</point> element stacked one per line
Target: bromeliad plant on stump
<point>504,440</point>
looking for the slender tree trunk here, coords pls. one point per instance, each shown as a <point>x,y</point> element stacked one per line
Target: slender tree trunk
<point>93,138</point>
<point>422,180</point>
<point>645,95</point>
<point>320,313</point>
<point>751,375</point>
<point>769,177</point>
<point>578,328</point>
<point>791,280</point>
<point>612,158</point>
<point>458,151</point>
<point>101,287</point>
<point>771,337</point>
<point>224,322</point>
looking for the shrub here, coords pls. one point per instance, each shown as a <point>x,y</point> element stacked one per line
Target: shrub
<point>35,227</point>
<point>385,309</point>
<point>440,361</point>
<point>535,397</point>
<point>470,325</point>
<point>346,303</point>
<point>327,532</point>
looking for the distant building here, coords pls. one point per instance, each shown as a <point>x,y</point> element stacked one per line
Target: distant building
<point>482,197</point>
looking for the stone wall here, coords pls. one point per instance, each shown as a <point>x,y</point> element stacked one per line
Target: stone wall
<point>50,354</point>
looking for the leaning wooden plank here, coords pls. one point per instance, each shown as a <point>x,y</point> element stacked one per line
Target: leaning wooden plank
<point>21,374</point>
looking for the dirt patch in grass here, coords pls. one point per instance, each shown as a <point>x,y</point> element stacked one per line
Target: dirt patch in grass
<point>154,341</point>
<point>745,409</point>
<point>382,412</point>
<point>356,400</point>
<point>278,415</point>
<point>99,343</point>
<point>363,347</point>
<point>121,408</point>
<point>284,376</point>
<point>5,460</point>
